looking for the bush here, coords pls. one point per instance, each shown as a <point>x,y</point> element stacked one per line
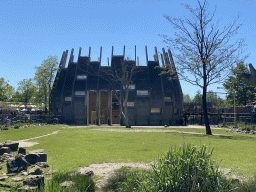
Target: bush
<point>248,127</point>
<point>124,179</point>
<point>16,127</point>
<point>4,128</point>
<point>185,168</point>
<point>81,182</point>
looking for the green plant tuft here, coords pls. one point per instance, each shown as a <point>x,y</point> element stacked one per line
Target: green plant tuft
<point>185,168</point>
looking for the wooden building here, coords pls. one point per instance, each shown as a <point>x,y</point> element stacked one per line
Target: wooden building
<point>80,95</point>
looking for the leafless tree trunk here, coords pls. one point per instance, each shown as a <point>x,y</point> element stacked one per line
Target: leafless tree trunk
<point>205,55</point>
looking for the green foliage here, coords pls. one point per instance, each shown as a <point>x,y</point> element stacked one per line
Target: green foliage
<point>210,97</point>
<point>124,179</point>
<point>16,127</point>
<point>6,90</point>
<point>44,78</point>
<point>248,186</point>
<point>4,128</point>
<point>186,168</point>
<point>237,85</point>
<point>248,127</point>
<point>81,182</point>
<point>186,98</point>
<point>26,91</point>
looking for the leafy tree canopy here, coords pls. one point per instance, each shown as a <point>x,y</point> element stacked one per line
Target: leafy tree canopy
<point>237,85</point>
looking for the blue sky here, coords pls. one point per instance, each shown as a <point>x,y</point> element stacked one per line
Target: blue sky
<point>33,30</point>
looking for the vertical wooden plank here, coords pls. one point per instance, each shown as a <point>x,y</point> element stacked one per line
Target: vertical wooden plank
<point>135,55</point>
<point>110,103</point>
<point>99,114</point>
<point>146,55</point>
<point>124,52</point>
<point>156,55</point>
<point>100,54</point>
<point>162,60</point>
<point>97,107</point>
<point>88,112</point>
<point>80,49</point>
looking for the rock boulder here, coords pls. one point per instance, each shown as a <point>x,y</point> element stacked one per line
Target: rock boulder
<point>17,165</point>
<point>34,180</point>
<point>4,150</point>
<point>36,156</point>
<point>13,145</point>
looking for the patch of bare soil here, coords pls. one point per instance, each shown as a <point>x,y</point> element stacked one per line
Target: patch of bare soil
<point>26,143</point>
<point>105,170</point>
<point>152,130</point>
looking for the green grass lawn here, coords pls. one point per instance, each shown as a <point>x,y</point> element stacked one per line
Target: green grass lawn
<point>72,148</point>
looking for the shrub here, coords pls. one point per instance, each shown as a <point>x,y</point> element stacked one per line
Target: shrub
<point>16,127</point>
<point>124,179</point>
<point>248,127</point>
<point>4,128</point>
<point>81,182</point>
<point>185,168</point>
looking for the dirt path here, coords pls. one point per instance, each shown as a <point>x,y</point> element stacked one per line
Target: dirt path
<point>155,131</point>
<point>105,170</point>
<point>25,143</point>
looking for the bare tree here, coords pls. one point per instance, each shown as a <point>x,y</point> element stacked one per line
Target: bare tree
<point>121,76</point>
<point>203,49</point>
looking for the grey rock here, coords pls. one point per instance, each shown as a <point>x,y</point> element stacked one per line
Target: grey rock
<point>66,184</point>
<point>17,179</point>
<point>3,178</point>
<point>34,180</point>
<point>17,165</point>
<point>19,155</point>
<point>22,150</point>
<point>4,150</point>
<point>51,171</point>
<point>89,174</point>
<point>7,156</point>
<point>13,145</point>
<point>24,173</point>
<point>35,171</point>
<point>41,164</point>
<point>28,188</point>
<point>36,156</point>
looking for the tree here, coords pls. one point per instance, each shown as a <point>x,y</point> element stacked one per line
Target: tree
<point>26,89</point>
<point>121,76</point>
<point>6,90</point>
<point>186,98</point>
<point>198,97</point>
<point>203,49</point>
<point>44,78</point>
<point>211,97</point>
<point>238,85</point>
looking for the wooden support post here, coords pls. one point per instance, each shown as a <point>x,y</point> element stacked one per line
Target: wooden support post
<point>80,49</point>
<point>110,106</point>
<point>135,55</point>
<point>156,55</point>
<point>98,108</point>
<point>112,54</point>
<point>71,56</point>
<point>163,65</point>
<point>124,52</point>
<point>87,104</point>
<point>89,51</point>
<point>100,54</point>
<point>146,55</point>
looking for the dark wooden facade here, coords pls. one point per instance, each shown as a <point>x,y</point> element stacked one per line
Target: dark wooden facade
<point>81,96</point>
